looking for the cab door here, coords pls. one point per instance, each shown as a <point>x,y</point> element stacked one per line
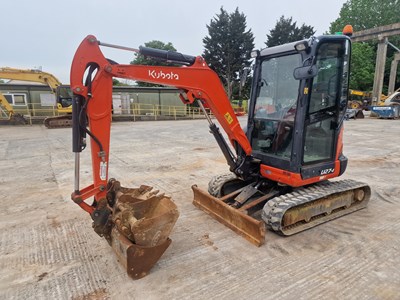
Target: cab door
<point>327,105</point>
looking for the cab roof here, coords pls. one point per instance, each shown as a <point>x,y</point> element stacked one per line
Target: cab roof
<point>279,49</point>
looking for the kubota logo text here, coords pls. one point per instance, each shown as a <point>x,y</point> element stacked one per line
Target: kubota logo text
<point>161,75</point>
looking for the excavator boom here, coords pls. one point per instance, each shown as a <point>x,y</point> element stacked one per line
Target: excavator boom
<point>197,81</point>
<point>31,75</point>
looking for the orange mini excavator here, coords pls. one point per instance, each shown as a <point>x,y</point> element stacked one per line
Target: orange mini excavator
<point>280,164</point>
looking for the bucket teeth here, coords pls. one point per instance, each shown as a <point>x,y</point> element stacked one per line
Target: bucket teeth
<point>137,260</point>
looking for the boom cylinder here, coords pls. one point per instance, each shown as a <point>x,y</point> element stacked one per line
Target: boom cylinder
<point>78,134</point>
<point>167,55</point>
<point>220,139</point>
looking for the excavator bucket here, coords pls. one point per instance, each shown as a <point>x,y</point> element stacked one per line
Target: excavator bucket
<point>143,221</point>
<point>137,260</point>
<point>15,119</point>
<point>359,114</point>
<point>236,219</point>
<point>354,114</point>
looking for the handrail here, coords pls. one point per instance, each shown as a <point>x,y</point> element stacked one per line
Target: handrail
<point>135,110</point>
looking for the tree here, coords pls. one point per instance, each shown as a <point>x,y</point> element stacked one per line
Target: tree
<point>367,14</point>
<point>227,47</point>
<point>362,67</point>
<point>286,31</point>
<point>148,61</point>
<point>116,82</point>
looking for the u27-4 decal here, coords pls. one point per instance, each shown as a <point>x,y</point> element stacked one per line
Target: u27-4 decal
<point>327,171</point>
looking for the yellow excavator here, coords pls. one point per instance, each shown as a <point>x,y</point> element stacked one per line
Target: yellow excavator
<point>63,95</point>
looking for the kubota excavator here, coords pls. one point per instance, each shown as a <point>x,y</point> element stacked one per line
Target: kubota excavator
<point>280,165</point>
<point>64,99</point>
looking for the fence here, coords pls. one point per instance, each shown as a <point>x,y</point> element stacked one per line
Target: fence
<point>135,112</point>
<point>160,111</point>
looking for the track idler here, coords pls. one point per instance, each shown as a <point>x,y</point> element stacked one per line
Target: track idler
<point>142,220</point>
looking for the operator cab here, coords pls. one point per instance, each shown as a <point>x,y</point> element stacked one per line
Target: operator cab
<point>298,103</point>
<point>64,96</point>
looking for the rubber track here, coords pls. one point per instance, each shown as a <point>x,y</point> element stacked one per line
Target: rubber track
<point>274,210</point>
<point>217,182</point>
<point>58,122</point>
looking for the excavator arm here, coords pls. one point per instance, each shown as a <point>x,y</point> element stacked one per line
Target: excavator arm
<point>91,82</point>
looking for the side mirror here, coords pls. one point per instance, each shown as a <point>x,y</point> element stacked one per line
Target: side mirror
<point>305,72</point>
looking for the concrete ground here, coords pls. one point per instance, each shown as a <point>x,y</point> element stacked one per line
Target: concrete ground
<point>48,249</point>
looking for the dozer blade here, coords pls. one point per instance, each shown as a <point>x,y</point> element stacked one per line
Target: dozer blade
<point>143,220</point>
<point>251,229</point>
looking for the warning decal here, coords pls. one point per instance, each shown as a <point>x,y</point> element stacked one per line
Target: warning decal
<point>228,118</point>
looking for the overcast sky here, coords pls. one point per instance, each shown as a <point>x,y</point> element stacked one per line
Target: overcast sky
<point>46,33</point>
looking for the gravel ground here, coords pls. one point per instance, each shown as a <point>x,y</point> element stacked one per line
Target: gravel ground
<point>48,249</point>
